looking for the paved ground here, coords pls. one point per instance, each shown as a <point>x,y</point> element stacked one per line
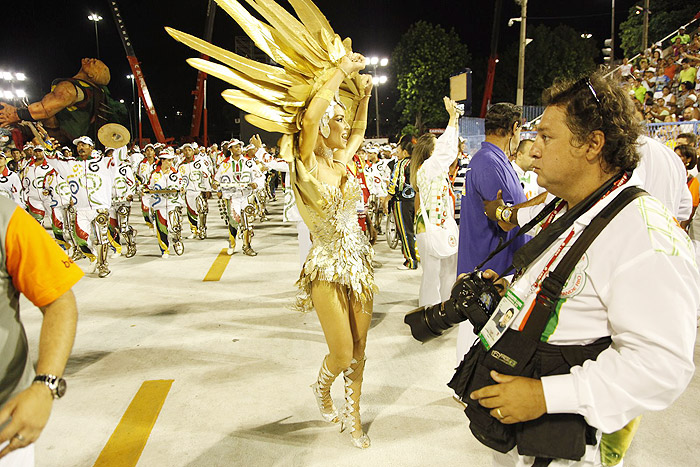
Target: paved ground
<point>241,363</point>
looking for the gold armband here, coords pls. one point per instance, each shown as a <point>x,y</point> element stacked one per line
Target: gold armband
<point>361,125</point>
<point>325,94</point>
<point>347,75</point>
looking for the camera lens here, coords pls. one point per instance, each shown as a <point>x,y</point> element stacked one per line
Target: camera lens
<point>473,298</point>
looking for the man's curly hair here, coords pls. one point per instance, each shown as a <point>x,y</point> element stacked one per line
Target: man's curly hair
<point>605,107</point>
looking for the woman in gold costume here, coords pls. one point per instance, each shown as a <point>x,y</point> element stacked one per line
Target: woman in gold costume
<point>310,98</point>
<point>337,276</point>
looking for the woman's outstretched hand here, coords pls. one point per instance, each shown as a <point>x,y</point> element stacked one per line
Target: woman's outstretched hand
<point>450,106</point>
<point>366,85</point>
<point>352,63</point>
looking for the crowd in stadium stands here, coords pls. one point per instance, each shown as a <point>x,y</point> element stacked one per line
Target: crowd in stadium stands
<point>665,83</point>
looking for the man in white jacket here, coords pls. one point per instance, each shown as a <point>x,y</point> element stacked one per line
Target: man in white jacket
<point>642,262</point>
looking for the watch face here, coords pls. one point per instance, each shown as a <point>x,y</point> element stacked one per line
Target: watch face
<point>61,387</point>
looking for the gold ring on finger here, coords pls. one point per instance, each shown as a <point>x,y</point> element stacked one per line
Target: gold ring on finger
<point>19,437</point>
<point>498,412</point>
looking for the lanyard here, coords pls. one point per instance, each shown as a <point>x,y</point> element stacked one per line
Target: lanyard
<point>553,214</point>
<point>536,285</point>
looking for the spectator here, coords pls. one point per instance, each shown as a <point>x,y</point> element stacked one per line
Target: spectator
<point>690,160</point>
<point>625,69</point>
<point>649,80</point>
<point>690,113</point>
<point>663,176</point>
<point>639,90</point>
<point>660,82</point>
<point>522,164</point>
<point>490,175</point>
<point>35,266</point>
<point>457,172</point>
<point>404,207</point>
<point>682,36</point>
<point>687,138</point>
<point>670,69</point>
<point>687,73</point>
<point>685,90</point>
<point>668,96</point>
<point>430,162</point>
<point>677,48</point>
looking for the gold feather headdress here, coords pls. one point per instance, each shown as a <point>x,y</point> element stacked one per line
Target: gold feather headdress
<point>306,49</point>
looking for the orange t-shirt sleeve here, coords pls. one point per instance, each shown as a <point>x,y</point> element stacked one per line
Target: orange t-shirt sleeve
<point>694,186</point>
<point>38,266</point>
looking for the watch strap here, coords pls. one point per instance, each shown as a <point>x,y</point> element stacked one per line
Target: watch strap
<point>50,381</point>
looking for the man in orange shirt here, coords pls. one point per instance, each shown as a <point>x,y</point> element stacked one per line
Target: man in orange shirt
<point>35,266</point>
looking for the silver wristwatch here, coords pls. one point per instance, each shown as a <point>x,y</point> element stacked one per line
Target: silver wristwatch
<point>54,383</point>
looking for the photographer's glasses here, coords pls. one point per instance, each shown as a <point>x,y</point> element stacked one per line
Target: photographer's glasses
<point>585,82</point>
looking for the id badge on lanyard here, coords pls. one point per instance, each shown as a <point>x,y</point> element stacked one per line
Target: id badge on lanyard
<point>507,310</point>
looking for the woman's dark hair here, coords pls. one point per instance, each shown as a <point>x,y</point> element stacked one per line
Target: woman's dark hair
<point>406,144</point>
<point>422,150</point>
<point>597,103</point>
<point>687,152</point>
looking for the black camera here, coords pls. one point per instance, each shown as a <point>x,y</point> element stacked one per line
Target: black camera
<point>473,298</point>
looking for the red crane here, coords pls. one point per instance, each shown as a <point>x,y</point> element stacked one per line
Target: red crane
<point>493,59</point>
<point>138,77</point>
<point>199,108</point>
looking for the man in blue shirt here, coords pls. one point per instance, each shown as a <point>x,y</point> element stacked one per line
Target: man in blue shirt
<point>489,172</point>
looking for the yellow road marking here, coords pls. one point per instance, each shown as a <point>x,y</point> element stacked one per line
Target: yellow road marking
<point>129,438</point>
<point>217,269</point>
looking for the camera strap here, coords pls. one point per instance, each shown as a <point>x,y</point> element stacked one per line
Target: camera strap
<point>553,283</point>
<point>535,247</point>
<point>548,209</point>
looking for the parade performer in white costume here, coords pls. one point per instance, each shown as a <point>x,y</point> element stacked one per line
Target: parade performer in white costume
<point>10,184</point>
<point>38,201</point>
<point>90,180</point>
<point>164,189</point>
<point>196,172</point>
<point>237,177</point>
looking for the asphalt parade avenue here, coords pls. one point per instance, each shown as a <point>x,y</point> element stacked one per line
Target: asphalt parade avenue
<point>230,364</point>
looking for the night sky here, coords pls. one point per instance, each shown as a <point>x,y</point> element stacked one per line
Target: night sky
<point>46,40</point>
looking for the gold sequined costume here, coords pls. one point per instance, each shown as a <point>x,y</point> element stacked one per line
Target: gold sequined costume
<point>314,67</point>
<point>340,252</point>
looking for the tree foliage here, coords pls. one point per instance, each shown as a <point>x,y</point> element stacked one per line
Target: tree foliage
<point>557,52</point>
<point>666,16</point>
<point>423,62</point>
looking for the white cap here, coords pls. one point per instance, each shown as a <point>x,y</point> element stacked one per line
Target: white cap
<point>189,145</point>
<point>38,148</point>
<point>651,69</point>
<point>165,154</point>
<point>249,147</point>
<point>84,139</point>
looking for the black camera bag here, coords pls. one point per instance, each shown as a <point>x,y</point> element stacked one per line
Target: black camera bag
<point>552,436</point>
